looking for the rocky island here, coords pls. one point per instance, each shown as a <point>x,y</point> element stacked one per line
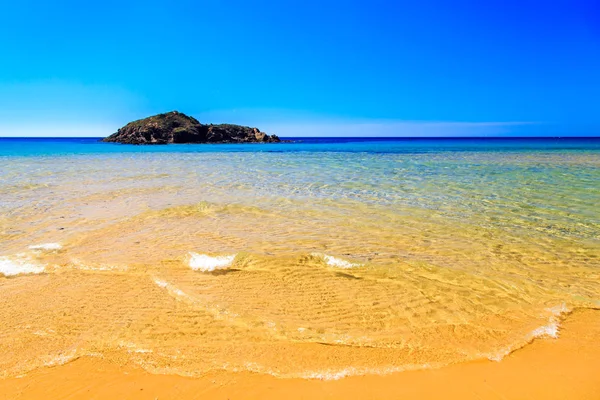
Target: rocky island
<point>176,127</point>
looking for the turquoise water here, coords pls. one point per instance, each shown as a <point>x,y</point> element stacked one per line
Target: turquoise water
<point>56,146</point>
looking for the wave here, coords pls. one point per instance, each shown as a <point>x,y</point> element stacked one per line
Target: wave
<point>61,359</point>
<point>26,263</point>
<point>216,311</point>
<point>179,294</point>
<point>134,348</point>
<point>173,290</point>
<point>550,330</point>
<point>19,264</point>
<point>337,262</point>
<point>143,356</point>
<point>46,247</point>
<point>334,374</point>
<point>78,264</point>
<point>206,263</point>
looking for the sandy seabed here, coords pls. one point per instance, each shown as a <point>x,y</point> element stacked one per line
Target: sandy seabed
<point>246,275</point>
<point>564,368</point>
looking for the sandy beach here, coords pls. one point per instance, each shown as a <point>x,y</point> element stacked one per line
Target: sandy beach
<point>299,200</point>
<point>564,368</point>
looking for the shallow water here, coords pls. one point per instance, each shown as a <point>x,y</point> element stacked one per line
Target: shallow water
<point>318,259</point>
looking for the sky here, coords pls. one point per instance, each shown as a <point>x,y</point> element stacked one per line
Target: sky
<point>303,68</point>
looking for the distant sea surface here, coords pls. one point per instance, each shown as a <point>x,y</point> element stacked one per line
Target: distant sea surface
<point>319,258</point>
<point>57,146</point>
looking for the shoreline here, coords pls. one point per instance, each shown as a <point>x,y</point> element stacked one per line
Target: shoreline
<point>547,368</point>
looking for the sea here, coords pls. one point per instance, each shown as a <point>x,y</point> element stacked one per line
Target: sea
<point>318,258</point>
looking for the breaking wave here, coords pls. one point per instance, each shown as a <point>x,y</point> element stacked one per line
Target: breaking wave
<point>337,262</point>
<point>550,330</point>
<point>46,247</point>
<point>19,264</point>
<point>206,263</point>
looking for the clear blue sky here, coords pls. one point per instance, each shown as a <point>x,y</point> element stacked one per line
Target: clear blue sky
<point>382,68</point>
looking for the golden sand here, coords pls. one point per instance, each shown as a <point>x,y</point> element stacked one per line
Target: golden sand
<point>565,368</point>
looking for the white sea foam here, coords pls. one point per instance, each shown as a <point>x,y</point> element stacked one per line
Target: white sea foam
<point>96,267</point>
<point>499,355</point>
<point>553,326</point>
<point>60,359</point>
<point>337,262</point>
<point>559,310</point>
<point>46,247</point>
<point>206,263</point>
<point>550,330</point>
<point>336,374</point>
<point>143,351</point>
<point>133,348</point>
<point>44,333</point>
<point>19,264</point>
<point>343,373</point>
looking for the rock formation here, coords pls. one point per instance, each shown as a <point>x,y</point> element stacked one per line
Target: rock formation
<point>175,127</point>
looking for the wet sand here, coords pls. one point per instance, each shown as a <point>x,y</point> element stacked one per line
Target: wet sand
<point>564,368</point>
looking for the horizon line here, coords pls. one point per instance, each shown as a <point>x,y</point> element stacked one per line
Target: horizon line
<point>339,137</point>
